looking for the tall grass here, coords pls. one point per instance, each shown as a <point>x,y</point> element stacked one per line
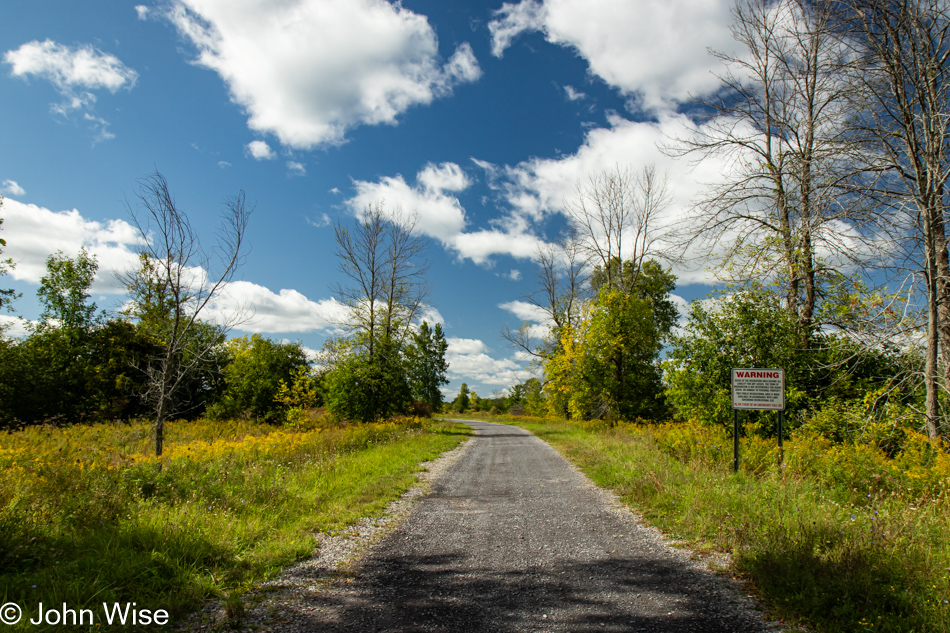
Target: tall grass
<point>87,516</point>
<point>842,537</point>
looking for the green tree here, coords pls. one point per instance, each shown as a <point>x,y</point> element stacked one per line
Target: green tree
<point>462,400</point>
<point>65,290</point>
<point>426,364</point>
<point>381,258</point>
<point>607,366</point>
<point>256,367</point>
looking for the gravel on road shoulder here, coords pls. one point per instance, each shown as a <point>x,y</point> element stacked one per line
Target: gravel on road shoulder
<point>502,534</point>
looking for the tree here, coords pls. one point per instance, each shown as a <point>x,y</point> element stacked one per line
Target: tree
<point>381,257</point>
<point>65,290</point>
<point>461,402</point>
<point>426,364</point>
<point>906,79</point>
<point>607,365</point>
<point>782,121</point>
<point>617,216</point>
<point>256,367</point>
<point>172,289</point>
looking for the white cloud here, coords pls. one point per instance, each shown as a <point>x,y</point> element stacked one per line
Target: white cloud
<point>465,346</point>
<point>468,360</point>
<point>74,72</point>
<point>525,311</point>
<point>538,187</point>
<point>657,50</point>
<point>34,233</point>
<point>436,214</point>
<point>270,312</point>
<point>514,274</point>
<point>142,11</point>
<point>13,327</point>
<point>296,169</point>
<point>223,164</point>
<point>11,188</point>
<point>573,95</point>
<point>260,150</point>
<point>308,70</point>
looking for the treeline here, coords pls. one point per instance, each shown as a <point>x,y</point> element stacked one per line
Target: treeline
<point>826,231</point>
<point>163,358</point>
<point>78,365</point>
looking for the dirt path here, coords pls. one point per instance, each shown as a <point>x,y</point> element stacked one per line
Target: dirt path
<point>512,538</point>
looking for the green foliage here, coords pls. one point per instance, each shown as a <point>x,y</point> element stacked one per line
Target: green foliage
<point>369,389</point>
<point>752,328</point>
<point>426,365</point>
<point>298,395</point>
<point>64,292</point>
<point>462,400</point>
<point>256,367</point>
<point>606,367</point>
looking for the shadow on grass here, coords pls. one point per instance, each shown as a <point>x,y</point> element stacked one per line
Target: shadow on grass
<point>152,567</point>
<point>836,592</point>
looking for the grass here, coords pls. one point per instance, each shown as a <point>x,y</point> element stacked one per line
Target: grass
<point>87,517</point>
<point>841,539</point>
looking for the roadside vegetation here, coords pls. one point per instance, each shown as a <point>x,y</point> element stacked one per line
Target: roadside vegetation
<point>87,517</point>
<point>842,538</point>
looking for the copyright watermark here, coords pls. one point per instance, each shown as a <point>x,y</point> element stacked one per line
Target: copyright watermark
<point>10,613</point>
<point>122,614</point>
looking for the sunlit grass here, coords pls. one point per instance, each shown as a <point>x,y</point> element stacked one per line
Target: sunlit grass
<point>842,538</point>
<point>87,516</point>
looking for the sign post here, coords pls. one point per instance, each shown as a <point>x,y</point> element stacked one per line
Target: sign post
<point>756,389</point>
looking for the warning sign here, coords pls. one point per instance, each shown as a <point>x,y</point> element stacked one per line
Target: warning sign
<point>758,389</point>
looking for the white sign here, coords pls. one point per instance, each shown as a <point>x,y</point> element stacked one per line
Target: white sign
<point>758,389</point>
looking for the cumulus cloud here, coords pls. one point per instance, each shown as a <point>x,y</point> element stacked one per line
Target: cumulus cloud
<point>469,360</point>
<point>573,95</point>
<point>440,215</point>
<point>267,312</point>
<point>11,188</point>
<point>34,233</point>
<point>74,72</point>
<point>296,169</point>
<point>309,70</point>
<point>436,213</point>
<point>654,50</point>
<point>260,150</point>
<point>142,11</point>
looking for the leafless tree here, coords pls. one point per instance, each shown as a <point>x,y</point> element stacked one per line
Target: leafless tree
<point>617,217</point>
<point>560,293</point>
<point>381,256</point>
<point>905,46</point>
<point>174,286</point>
<point>781,123</point>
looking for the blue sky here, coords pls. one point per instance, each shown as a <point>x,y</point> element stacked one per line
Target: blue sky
<point>480,117</point>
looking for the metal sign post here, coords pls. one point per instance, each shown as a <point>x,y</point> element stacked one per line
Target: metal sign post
<point>756,389</point>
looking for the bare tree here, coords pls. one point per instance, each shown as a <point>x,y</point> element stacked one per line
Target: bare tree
<point>905,45</point>
<point>617,214</point>
<point>559,296</point>
<point>781,122</point>
<point>174,285</point>
<point>381,257</point>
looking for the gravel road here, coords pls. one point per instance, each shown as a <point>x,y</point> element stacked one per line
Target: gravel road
<point>512,538</point>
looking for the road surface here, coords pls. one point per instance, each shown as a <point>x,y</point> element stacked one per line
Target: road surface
<point>512,538</point>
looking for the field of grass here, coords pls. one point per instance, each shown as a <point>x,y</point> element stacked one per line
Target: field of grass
<point>842,538</point>
<point>87,517</point>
